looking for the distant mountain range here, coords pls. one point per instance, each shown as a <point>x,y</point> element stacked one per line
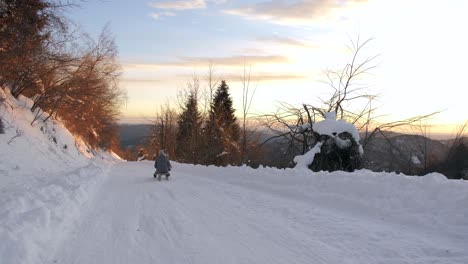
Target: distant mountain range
<point>132,135</point>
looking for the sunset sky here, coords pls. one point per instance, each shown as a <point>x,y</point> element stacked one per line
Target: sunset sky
<point>421,67</point>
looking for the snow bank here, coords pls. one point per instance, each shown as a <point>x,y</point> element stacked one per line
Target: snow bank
<point>432,202</point>
<point>35,216</point>
<point>44,148</point>
<point>45,178</point>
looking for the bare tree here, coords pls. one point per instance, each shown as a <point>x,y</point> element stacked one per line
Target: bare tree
<point>28,32</point>
<point>192,87</point>
<point>76,81</point>
<point>455,163</point>
<point>287,125</point>
<point>424,146</point>
<point>459,138</point>
<point>247,98</point>
<point>212,83</point>
<point>391,126</point>
<point>164,131</point>
<point>88,98</point>
<point>293,126</point>
<point>383,152</point>
<point>345,83</point>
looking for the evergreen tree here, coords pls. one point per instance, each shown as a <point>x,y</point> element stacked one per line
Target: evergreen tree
<point>188,135</point>
<point>223,129</point>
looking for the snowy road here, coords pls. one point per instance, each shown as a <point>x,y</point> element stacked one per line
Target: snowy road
<point>201,217</point>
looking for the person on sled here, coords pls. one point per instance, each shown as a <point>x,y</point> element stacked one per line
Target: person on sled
<point>162,166</point>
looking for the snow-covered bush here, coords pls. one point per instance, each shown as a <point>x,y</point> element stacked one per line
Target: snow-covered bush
<point>337,146</point>
<point>142,155</point>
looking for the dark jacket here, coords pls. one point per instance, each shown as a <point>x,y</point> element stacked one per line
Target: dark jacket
<point>162,164</point>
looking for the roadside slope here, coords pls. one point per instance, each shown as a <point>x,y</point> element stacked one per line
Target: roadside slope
<point>46,176</point>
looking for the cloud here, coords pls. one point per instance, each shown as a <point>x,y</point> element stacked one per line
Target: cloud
<point>218,2</point>
<point>179,4</point>
<point>138,72</point>
<point>265,77</point>
<point>126,80</point>
<point>160,15</point>
<point>252,51</point>
<point>301,12</point>
<point>236,60</point>
<point>141,67</point>
<point>232,61</point>
<point>255,77</point>
<point>233,77</point>
<point>288,41</point>
<point>137,82</point>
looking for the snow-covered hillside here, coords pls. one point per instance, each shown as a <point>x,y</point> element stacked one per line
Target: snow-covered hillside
<point>45,148</point>
<point>64,205</point>
<point>45,177</point>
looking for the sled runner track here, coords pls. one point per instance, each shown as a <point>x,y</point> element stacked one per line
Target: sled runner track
<point>198,218</point>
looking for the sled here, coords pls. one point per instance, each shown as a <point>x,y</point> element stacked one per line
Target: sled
<point>158,175</point>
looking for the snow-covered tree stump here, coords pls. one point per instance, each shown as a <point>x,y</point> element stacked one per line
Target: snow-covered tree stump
<point>337,147</point>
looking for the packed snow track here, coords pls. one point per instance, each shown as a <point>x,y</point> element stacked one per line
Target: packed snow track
<point>201,217</point>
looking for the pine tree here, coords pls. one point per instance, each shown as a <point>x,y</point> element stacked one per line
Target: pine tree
<point>189,127</point>
<point>223,129</point>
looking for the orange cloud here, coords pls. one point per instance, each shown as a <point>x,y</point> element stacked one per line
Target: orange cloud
<point>288,41</point>
<point>256,77</point>
<point>232,61</point>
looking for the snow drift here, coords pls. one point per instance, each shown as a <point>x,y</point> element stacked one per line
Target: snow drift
<point>431,200</point>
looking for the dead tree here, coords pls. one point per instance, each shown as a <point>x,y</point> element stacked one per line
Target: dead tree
<point>346,86</point>
<point>295,125</point>
<point>247,98</point>
<point>164,131</point>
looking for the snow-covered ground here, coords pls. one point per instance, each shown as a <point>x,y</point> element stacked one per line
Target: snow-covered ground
<point>67,205</point>
<point>242,215</point>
